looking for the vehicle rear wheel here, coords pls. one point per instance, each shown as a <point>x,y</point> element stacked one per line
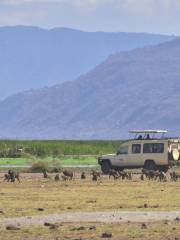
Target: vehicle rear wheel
<point>105,167</point>
<point>150,165</point>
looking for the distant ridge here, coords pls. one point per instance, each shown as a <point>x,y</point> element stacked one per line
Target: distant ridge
<point>138,89</point>
<point>31,57</point>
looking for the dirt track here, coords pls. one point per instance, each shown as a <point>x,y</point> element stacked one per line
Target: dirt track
<point>106,217</point>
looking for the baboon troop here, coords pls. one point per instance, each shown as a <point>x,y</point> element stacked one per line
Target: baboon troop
<point>117,174</point>
<point>153,175</point>
<point>158,175</point>
<point>67,175</point>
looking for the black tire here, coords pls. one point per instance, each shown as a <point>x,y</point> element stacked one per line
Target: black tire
<point>150,165</point>
<point>105,167</point>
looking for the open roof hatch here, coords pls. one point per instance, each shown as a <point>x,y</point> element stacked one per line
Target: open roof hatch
<point>147,133</point>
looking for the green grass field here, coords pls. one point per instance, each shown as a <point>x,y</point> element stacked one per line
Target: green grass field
<point>54,152</point>
<point>13,161</point>
<point>75,160</point>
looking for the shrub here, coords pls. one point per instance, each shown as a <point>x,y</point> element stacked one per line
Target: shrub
<point>39,167</point>
<point>56,166</point>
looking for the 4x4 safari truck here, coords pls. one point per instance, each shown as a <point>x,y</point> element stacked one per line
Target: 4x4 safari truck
<point>146,150</point>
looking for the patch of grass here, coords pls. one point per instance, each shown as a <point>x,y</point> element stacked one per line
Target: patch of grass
<point>14,161</point>
<point>56,197</point>
<point>80,161</point>
<point>66,160</point>
<point>77,160</point>
<point>154,231</point>
<point>66,152</point>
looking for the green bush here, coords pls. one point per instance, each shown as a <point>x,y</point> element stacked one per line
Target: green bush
<point>39,167</point>
<point>56,166</point>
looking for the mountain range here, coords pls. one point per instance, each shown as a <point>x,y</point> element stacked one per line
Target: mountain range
<point>133,89</point>
<point>31,57</point>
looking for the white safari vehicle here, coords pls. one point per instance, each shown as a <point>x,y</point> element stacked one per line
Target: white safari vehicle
<point>147,150</point>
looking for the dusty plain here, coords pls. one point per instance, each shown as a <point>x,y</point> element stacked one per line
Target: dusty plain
<point>36,196</point>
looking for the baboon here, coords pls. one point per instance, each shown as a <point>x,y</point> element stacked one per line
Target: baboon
<point>68,174</point>
<point>177,176</point>
<point>114,174</point>
<point>17,177</point>
<point>95,175</point>
<point>142,177</point>
<point>6,177</point>
<point>57,178</point>
<point>150,174</point>
<point>129,176</point>
<point>124,175</point>
<point>83,175</point>
<point>11,176</point>
<point>162,176</point>
<point>174,176</point>
<point>64,178</point>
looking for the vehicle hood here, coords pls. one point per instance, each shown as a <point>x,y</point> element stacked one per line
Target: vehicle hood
<point>109,155</point>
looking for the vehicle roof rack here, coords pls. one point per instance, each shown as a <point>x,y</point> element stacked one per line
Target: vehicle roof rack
<point>148,131</point>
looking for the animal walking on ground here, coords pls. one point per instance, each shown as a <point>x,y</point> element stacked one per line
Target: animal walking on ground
<point>113,173</point>
<point>150,174</point>
<point>95,175</point>
<point>57,178</point>
<point>11,176</point>
<point>83,175</point>
<point>64,178</point>
<point>174,176</point>
<point>162,176</point>
<point>68,174</point>
<point>125,175</point>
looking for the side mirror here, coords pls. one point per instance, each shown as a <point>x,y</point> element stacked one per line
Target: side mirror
<point>118,152</point>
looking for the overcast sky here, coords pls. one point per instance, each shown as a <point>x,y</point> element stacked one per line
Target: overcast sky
<point>156,16</point>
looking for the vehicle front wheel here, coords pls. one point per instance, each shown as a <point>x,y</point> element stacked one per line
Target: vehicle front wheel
<point>150,165</point>
<point>105,167</point>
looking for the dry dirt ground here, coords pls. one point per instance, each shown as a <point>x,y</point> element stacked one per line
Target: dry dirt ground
<point>82,209</point>
<point>103,217</point>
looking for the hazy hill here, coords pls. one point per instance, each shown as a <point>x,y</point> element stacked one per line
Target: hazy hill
<point>135,89</point>
<point>31,57</point>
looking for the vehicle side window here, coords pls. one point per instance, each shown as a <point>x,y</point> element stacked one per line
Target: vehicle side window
<point>153,148</point>
<point>147,148</point>
<point>158,148</point>
<point>123,150</point>
<point>136,148</point>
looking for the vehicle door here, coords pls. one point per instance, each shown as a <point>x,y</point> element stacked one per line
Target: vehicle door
<point>155,151</point>
<point>121,157</point>
<point>135,155</point>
